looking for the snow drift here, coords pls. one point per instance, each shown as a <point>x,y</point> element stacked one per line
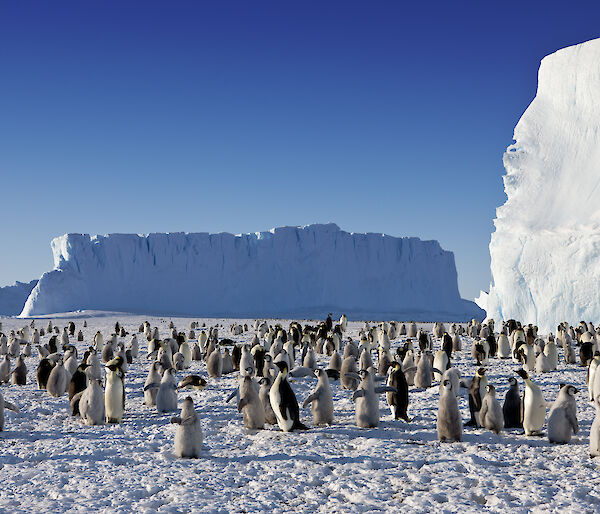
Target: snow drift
<point>545,252</point>
<point>12,298</point>
<point>289,271</point>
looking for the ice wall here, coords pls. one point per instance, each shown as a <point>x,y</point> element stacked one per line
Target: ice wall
<point>289,271</point>
<point>545,252</point>
<point>12,298</point>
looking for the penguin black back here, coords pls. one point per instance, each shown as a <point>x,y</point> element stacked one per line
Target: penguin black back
<point>43,372</point>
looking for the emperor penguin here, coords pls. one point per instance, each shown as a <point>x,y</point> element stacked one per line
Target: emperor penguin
<point>562,420</point>
<point>449,422</point>
<point>441,363</point>
<point>91,404</point>
<point>347,374</point>
<point>398,401</point>
<point>456,342</point>
<point>5,405</point>
<point>351,350</point>
<point>265,387</point>
<point>19,374</point>
<point>251,405</point>
<point>5,370</point>
<point>166,397</point>
<point>534,406</point>
<point>152,384</point>
<point>134,346</point>
<point>321,400</point>
<point>552,354</point>
<point>504,350</point>
<point>310,359</point>
<point>214,364</point>
<point>367,400</point>
<point>57,381</point>
<point>452,374</point>
<point>477,391</point>
<point>512,408</point>
<point>592,371</point>
<point>491,415</point>
<point>335,362</point>
<point>423,377</point>
<point>246,361</point>
<point>43,373</point>
<point>188,435</point>
<point>409,368</point>
<point>594,447</point>
<point>284,403</point>
<point>114,394</point>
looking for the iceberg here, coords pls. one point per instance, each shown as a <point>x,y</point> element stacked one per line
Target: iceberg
<point>545,251</point>
<point>12,298</point>
<point>296,272</point>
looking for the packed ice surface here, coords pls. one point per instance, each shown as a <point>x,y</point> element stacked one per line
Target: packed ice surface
<point>12,298</point>
<point>286,272</point>
<point>50,462</point>
<point>545,252</point>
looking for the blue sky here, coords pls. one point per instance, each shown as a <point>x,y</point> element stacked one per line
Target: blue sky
<point>240,116</point>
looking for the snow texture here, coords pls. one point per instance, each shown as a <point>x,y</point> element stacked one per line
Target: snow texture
<point>286,272</point>
<point>545,252</point>
<point>12,298</point>
<point>51,462</point>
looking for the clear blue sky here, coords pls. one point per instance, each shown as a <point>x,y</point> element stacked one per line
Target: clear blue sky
<point>240,116</point>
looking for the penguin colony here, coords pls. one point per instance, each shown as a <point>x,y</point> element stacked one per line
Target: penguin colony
<point>369,369</point>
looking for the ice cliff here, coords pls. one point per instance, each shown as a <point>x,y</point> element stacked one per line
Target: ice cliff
<point>289,271</point>
<point>12,298</point>
<point>545,252</point>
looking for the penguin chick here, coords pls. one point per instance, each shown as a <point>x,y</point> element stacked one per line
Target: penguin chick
<point>321,400</point>
<point>490,415</point>
<point>562,420</point>
<point>188,435</point>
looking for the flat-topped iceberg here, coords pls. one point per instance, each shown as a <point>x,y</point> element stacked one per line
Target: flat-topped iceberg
<point>286,272</point>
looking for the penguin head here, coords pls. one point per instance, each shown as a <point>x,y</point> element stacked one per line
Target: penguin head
<point>522,373</point>
<point>490,389</point>
<point>481,372</point>
<point>283,367</point>
<point>571,390</point>
<point>512,381</point>
<point>249,370</point>
<point>447,384</point>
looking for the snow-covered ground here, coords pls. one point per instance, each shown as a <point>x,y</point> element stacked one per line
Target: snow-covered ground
<point>49,461</point>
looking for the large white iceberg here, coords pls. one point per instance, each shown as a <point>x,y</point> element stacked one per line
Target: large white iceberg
<point>289,271</point>
<point>545,252</point>
<point>12,298</point>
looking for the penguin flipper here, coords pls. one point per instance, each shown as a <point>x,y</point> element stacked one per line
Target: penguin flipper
<point>311,398</point>
<point>242,403</point>
<point>386,389</point>
<point>359,393</point>
<point>11,406</point>
<point>233,393</point>
<point>153,385</point>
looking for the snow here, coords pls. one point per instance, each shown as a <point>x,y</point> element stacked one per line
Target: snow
<point>49,461</point>
<point>12,298</point>
<point>546,248</point>
<point>286,272</point>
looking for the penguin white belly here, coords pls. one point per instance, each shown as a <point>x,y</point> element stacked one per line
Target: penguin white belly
<point>275,398</point>
<point>114,400</point>
<point>534,413</point>
<point>595,435</point>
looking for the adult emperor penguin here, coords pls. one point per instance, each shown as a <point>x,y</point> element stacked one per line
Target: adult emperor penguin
<point>595,433</point>
<point>398,401</point>
<point>188,435</point>
<point>477,391</point>
<point>166,398</point>
<point>591,374</point>
<point>250,404</point>
<point>5,405</point>
<point>91,404</point>
<point>114,394</point>
<point>491,415</point>
<point>321,400</point>
<point>534,406</point>
<point>449,422</point>
<point>562,421</point>
<point>512,408</point>
<point>284,403</point>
